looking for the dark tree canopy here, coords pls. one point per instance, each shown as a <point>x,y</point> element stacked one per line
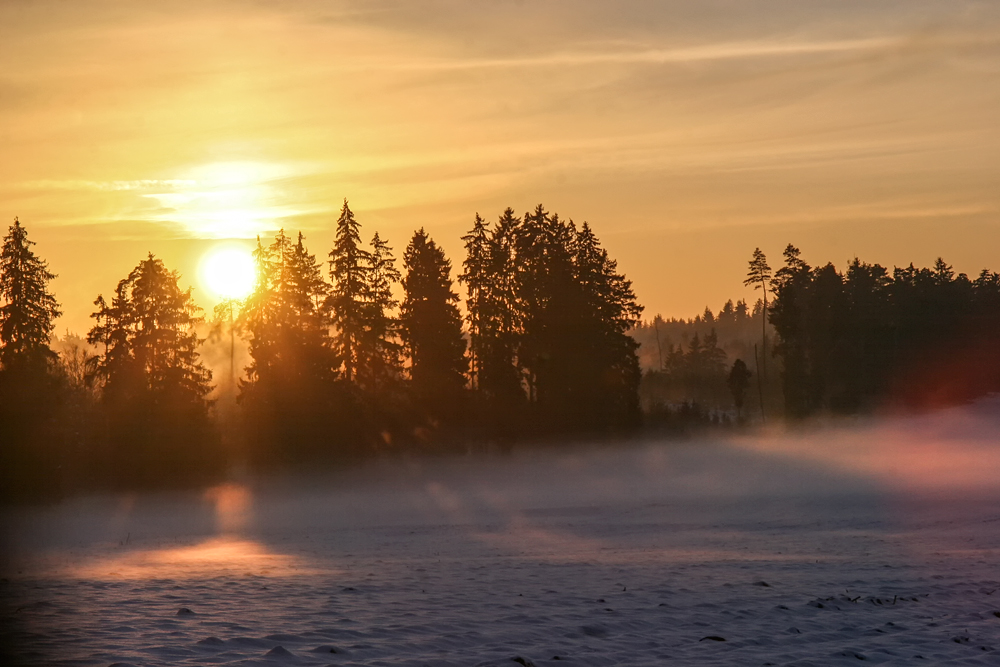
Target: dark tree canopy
<point>29,309</point>
<point>549,316</point>
<point>348,301</point>
<point>431,329</point>
<point>867,338</point>
<point>494,319</point>
<point>31,389</point>
<point>379,351</point>
<point>152,381</point>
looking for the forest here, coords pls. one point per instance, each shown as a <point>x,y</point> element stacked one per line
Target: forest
<point>360,355</point>
<point>339,367</point>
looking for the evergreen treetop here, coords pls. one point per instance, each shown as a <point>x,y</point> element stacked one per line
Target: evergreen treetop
<point>29,309</point>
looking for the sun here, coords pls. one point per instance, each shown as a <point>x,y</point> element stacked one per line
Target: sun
<point>228,272</point>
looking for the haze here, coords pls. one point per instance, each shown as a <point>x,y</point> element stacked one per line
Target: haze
<point>686,133</point>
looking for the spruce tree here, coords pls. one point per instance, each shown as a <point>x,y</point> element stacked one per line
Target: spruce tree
<point>493,315</point>
<point>29,309</point>
<point>153,383</point>
<point>380,352</point>
<point>150,330</point>
<point>32,434</point>
<point>476,277</point>
<point>610,311</point>
<point>431,330</point>
<point>288,393</point>
<point>347,304</point>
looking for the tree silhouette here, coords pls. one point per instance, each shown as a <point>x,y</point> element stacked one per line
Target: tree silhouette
<point>348,301</point>
<point>31,389</point>
<point>738,382</point>
<point>759,276</point>
<point>853,341</point>
<point>494,320</point>
<point>153,383</point>
<point>431,330</point>
<point>26,318</point>
<point>288,391</point>
<point>380,352</point>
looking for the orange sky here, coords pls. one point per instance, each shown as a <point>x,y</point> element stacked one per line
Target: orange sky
<point>686,133</point>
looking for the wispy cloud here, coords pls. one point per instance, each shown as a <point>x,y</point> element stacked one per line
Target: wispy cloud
<point>706,52</point>
<point>106,186</point>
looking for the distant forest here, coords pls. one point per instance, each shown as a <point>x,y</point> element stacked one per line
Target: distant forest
<point>335,366</point>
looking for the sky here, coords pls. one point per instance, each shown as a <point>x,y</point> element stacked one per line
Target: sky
<point>686,133</point>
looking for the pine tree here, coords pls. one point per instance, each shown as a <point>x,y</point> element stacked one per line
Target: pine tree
<point>759,276</point>
<point>792,285</point>
<point>610,311</point>
<point>29,309</point>
<point>348,300</point>
<point>149,330</point>
<point>288,395</point>
<point>380,353</point>
<point>476,277</point>
<point>431,329</point>
<point>32,436</point>
<point>493,314</point>
<point>153,383</point>
<point>284,315</point>
<point>547,301</point>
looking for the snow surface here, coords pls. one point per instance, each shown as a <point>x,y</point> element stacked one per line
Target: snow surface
<point>874,543</point>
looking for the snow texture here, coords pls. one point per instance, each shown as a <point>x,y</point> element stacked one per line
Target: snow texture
<point>800,549</point>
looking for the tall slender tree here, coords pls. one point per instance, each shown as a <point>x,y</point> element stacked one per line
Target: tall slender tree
<point>493,315</point>
<point>153,383</point>
<point>284,315</point>
<point>380,352</point>
<point>288,394</point>
<point>759,276</point>
<point>30,389</point>
<point>149,332</point>
<point>431,329</point>
<point>348,302</point>
<point>29,308</point>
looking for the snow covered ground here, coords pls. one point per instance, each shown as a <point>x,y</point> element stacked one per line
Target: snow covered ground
<point>877,542</point>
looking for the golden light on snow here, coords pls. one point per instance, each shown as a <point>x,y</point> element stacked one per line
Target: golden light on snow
<point>228,272</point>
<point>211,558</point>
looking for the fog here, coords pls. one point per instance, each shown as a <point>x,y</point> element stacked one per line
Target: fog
<point>894,506</point>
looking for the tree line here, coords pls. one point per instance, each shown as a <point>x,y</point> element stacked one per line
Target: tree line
<point>869,338</point>
<point>828,342</point>
<point>339,367</point>
<point>354,355</point>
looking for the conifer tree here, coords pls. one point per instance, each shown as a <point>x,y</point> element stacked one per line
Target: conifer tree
<point>148,333</point>
<point>547,300</point>
<point>284,315</point>
<point>379,352</point>
<point>348,301</point>
<point>476,277</point>
<point>153,383</point>
<point>759,276</point>
<point>431,329</point>
<point>29,309</point>
<point>493,314</point>
<point>610,311</point>
<point>30,391</point>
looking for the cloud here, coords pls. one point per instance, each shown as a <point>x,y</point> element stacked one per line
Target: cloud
<point>706,52</point>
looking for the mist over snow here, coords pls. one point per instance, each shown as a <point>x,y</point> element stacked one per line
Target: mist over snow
<point>875,539</point>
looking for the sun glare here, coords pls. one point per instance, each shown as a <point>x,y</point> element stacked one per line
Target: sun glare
<point>228,272</point>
